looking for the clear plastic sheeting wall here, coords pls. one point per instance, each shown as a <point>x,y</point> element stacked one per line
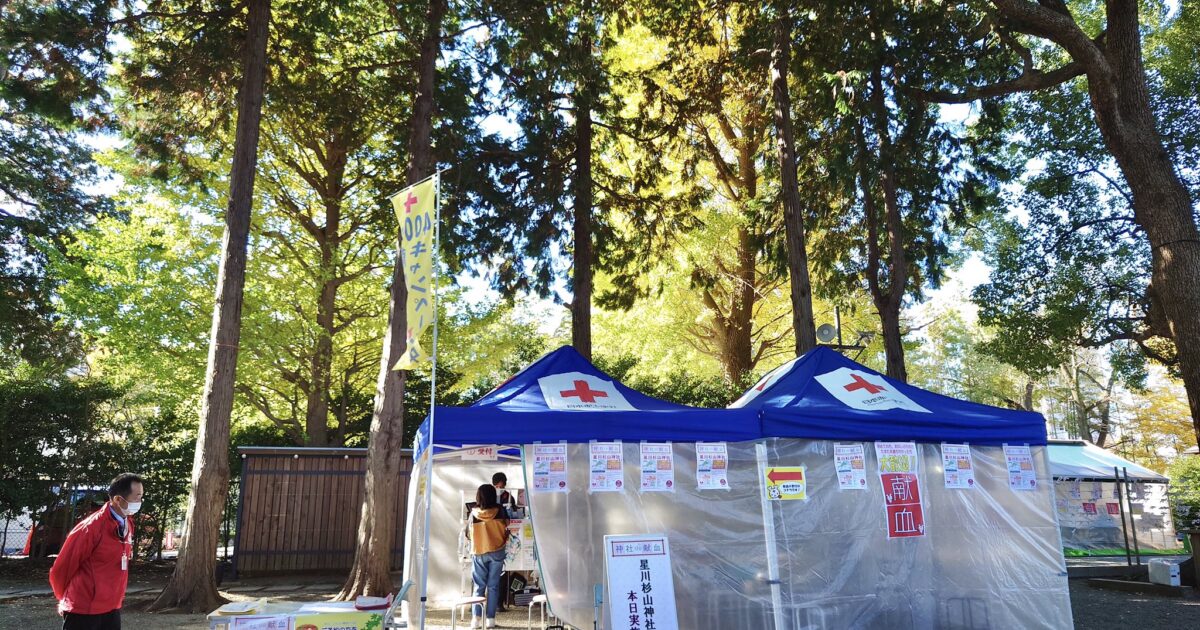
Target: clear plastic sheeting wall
<point>1089,513</point>
<point>991,556</point>
<point>454,482</point>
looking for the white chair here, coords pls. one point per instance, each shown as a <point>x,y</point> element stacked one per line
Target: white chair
<point>469,602</point>
<point>543,602</point>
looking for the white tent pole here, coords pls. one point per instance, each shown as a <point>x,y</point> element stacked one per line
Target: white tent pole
<point>437,225</point>
<point>768,515</point>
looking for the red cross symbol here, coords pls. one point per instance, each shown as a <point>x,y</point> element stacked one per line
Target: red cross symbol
<point>583,393</point>
<point>409,203</point>
<point>861,383</point>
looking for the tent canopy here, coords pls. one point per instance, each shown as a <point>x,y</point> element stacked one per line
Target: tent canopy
<point>826,396</point>
<point>563,397</point>
<point>1076,459</point>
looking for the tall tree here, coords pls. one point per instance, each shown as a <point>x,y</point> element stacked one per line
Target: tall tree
<point>192,586</point>
<point>1006,37</point>
<point>793,213</point>
<point>371,572</point>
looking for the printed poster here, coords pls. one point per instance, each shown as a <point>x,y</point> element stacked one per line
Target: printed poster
<point>901,489</point>
<point>641,588</point>
<point>958,466</point>
<point>712,466</point>
<point>1089,508</point>
<point>787,483</point>
<point>479,452</point>
<point>851,464</point>
<point>607,470</point>
<point>658,467</point>
<point>1113,508</point>
<point>550,468</point>
<point>518,550</point>
<point>262,622</point>
<point>357,620</point>
<point>1019,462</point>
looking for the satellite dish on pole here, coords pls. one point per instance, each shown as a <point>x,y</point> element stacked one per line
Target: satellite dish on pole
<point>826,333</point>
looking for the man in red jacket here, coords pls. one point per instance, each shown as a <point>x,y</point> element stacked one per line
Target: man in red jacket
<point>91,571</point>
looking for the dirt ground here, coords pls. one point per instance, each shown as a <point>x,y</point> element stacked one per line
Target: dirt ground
<point>1093,608</point>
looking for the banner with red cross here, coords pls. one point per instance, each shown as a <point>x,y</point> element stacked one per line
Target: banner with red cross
<point>576,391</point>
<point>416,210</point>
<point>866,391</point>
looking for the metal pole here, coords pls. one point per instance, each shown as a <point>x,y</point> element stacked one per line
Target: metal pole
<point>837,320</point>
<point>1124,531</point>
<point>768,513</point>
<point>437,228</point>
<point>1137,550</point>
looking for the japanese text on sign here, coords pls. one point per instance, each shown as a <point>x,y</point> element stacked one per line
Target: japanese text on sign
<point>658,467</point>
<point>1019,462</point>
<point>712,466</point>
<point>607,469</point>
<point>550,467</point>
<point>786,483</point>
<point>958,467</point>
<point>851,464</point>
<point>416,210</point>
<point>901,489</point>
<point>640,584</point>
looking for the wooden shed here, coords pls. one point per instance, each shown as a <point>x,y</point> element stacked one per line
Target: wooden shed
<point>298,509</point>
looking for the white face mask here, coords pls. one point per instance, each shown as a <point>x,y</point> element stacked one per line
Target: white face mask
<point>133,508</point>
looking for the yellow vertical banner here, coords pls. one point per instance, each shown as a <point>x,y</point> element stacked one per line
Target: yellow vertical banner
<point>416,209</point>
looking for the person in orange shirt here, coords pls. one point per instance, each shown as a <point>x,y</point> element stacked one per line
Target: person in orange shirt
<point>92,570</point>
<point>487,529</point>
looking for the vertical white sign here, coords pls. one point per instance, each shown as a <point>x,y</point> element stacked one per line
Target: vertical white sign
<point>658,467</point>
<point>641,589</point>
<point>1019,462</point>
<point>958,467</point>
<point>550,468</point>
<point>851,464</point>
<point>607,471</point>
<point>712,466</point>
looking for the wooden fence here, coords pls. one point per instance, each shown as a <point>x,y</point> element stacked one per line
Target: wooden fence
<point>298,509</point>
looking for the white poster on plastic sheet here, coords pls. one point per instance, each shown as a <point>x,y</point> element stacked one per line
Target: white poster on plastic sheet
<point>902,504</point>
<point>607,469</point>
<point>518,549</point>
<point>1019,462</point>
<point>550,468</point>
<point>957,466</point>
<point>851,464</point>
<point>641,589</point>
<point>712,466</point>
<point>658,467</point>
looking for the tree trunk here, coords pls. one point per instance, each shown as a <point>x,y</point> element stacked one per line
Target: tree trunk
<point>889,302</point>
<point>192,586</point>
<point>317,409</point>
<point>793,216</point>
<point>581,281</point>
<point>1027,401</point>
<point>371,573</point>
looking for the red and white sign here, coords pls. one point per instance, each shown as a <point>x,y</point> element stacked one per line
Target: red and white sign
<point>1113,508</point>
<point>901,489</point>
<point>473,452</point>
<point>866,391</point>
<point>1089,508</point>
<point>576,391</point>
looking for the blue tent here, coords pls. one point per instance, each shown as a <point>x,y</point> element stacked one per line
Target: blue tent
<point>562,396</point>
<point>826,396</point>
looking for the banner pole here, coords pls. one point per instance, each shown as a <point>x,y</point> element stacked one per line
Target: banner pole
<point>437,229</point>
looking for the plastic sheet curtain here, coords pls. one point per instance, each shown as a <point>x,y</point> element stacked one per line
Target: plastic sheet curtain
<point>1089,513</point>
<point>990,558</point>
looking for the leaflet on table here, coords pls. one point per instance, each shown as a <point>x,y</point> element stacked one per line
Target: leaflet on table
<point>607,471</point>
<point>1018,460</point>
<point>850,460</point>
<point>658,467</point>
<point>712,466</point>
<point>901,489</point>
<point>958,466</point>
<point>550,467</point>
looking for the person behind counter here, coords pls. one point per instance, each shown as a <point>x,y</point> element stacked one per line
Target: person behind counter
<point>487,529</point>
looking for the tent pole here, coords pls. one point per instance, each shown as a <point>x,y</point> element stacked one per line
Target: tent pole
<point>1137,549</point>
<point>768,513</point>
<point>437,224</point>
<point>1121,504</point>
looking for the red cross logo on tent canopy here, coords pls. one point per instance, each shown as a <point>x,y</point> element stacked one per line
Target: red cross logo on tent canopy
<point>583,393</point>
<point>861,383</point>
<point>576,391</point>
<point>863,390</point>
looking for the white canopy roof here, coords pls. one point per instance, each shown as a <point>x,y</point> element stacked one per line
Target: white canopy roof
<point>1077,459</point>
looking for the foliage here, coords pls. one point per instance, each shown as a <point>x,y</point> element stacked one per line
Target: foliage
<point>1185,491</point>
